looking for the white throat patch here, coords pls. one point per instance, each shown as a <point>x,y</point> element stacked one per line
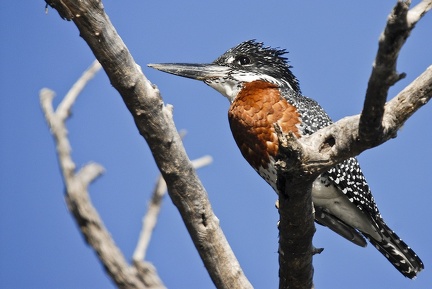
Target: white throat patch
<point>231,85</point>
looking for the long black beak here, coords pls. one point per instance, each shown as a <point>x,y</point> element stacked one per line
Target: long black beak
<point>194,71</point>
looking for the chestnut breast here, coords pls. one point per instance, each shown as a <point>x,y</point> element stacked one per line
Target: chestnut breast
<point>252,116</point>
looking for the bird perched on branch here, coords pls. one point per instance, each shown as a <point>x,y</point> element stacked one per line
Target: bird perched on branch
<point>262,92</point>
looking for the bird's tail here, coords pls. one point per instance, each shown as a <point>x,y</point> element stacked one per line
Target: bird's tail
<point>397,251</point>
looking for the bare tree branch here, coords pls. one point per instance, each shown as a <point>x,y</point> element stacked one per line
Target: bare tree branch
<point>341,140</point>
<point>154,206</point>
<point>155,124</point>
<point>64,108</point>
<point>150,219</point>
<point>418,11</point>
<point>77,198</point>
<point>399,25</point>
<point>295,254</point>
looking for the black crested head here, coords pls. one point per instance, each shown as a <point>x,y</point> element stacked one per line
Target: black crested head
<point>254,57</point>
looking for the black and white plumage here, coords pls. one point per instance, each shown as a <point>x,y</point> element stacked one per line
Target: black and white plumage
<point>262,91</point>
<point>346,182</point>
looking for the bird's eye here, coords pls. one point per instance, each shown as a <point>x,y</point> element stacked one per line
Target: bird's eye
<point>243,60</point>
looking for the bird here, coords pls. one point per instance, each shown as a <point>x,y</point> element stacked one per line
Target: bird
<point>262,90</point>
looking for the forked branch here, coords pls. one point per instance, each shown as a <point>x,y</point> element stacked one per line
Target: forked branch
<point>77,197</point>
<point>400,23</point>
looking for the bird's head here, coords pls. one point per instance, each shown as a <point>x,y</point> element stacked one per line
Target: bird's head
<point>247,62</point>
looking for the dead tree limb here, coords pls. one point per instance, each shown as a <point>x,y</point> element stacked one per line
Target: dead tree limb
<point>77,197</point>
<point>400,23</point>
<point>341,140</point>
<point>154,122</point>
<point>296,225</point>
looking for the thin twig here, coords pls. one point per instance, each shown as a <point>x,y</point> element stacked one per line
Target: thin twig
<point>150,219</point>
<point>63,110</point>
<point>153,209</point>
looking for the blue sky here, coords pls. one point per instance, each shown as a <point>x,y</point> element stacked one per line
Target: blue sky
<point>332,45</point>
